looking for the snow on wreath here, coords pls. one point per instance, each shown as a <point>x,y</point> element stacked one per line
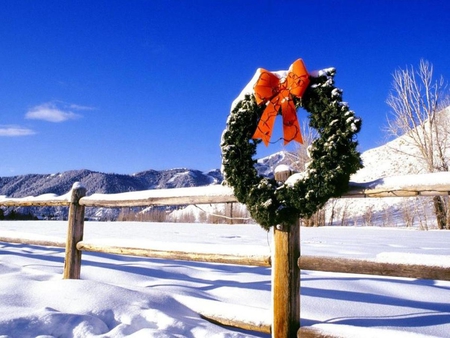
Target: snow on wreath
<point>333,154</point>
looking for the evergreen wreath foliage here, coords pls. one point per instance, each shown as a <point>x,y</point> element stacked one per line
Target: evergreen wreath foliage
<point>334,156</point>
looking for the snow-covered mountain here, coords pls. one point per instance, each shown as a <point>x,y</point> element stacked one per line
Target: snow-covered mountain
<point>266,165</point>
<point>97,182</point>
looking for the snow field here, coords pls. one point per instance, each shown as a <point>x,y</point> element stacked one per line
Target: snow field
<point>124,296</point>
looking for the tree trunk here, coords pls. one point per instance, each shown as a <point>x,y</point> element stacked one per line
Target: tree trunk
<point>447,212</point>
<point>439,209</point>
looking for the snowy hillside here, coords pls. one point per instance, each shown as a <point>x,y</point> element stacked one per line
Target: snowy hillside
<point>394,158</point>
<point>397,157</point>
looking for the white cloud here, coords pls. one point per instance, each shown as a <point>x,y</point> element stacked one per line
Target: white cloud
<point>13,131</point>
<point>79,107</point>
<point>54,112</point>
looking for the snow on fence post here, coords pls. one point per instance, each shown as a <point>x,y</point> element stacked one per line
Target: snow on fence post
<point>285,274</point>
<point>72,262</point>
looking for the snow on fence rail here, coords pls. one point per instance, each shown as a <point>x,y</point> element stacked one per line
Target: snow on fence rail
<point>285,260</point>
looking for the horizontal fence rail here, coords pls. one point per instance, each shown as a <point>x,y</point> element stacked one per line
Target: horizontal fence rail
<point>285,263</point>
<point>18,240</point>
<point>434,184</point>
<point>47,200</point>
<point>263,261</point>
<point>160,197</point>
<point>367,267</point>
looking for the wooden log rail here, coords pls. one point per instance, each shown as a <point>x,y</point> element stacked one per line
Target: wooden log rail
<point>434,184</point>
<point>249,260</point>
<point>286,259</point>
<point>367,267</point>
<point>29,241</point>
<point>162,197</point>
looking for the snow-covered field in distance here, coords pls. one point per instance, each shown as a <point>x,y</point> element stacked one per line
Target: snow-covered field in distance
<point>123,296</point>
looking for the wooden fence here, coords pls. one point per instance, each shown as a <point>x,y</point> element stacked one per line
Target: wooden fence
<point>285,261</point>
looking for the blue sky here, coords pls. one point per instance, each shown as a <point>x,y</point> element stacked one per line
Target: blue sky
<point>129,85</point>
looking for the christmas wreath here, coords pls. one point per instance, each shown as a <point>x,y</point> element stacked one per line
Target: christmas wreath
<point>333,155</point>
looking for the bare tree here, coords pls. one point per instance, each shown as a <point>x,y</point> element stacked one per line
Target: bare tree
<point>368,216</point>
<point>299,164</point>
<point>331,206</point>
<point>344,212</point>
<point>302,157</point>
<point>417,101</point>
<point>386,216</point>
<point>407,212</point>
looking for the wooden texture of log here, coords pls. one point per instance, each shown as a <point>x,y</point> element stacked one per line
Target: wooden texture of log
<point>263,261</point>
<point>303,332</point>
<point>357,266</point>
<point>18,202</point>
<point>29,241</point>
<point>309,332</point>
<point>285,275</point>
<point>72,261</point>
<point>236,323</point>
<point>162,197</point>
<point>430,184</point>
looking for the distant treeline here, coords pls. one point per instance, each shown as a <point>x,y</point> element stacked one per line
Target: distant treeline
<point>16,216</point>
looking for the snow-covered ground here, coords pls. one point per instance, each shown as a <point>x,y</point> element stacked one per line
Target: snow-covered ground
<point>124,296</point>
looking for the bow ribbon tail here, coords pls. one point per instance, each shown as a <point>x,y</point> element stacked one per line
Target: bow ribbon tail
<point>265,125</point>
<point>291,127</point>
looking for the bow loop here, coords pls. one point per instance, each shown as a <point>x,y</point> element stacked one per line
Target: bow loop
<point>266,87</point>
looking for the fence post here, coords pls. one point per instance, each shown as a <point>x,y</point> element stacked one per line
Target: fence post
<point>286,275</point>
<point>72,262</point>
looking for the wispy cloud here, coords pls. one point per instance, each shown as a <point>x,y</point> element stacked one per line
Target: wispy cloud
<point>79,107</point>
<point>14,131</point>
<point>55,112</point>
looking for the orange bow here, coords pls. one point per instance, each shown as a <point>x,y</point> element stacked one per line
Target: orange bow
<point>277,94</point>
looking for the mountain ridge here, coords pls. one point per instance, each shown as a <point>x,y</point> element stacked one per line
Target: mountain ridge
<point>106,183</point>
<point>110,183</point>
